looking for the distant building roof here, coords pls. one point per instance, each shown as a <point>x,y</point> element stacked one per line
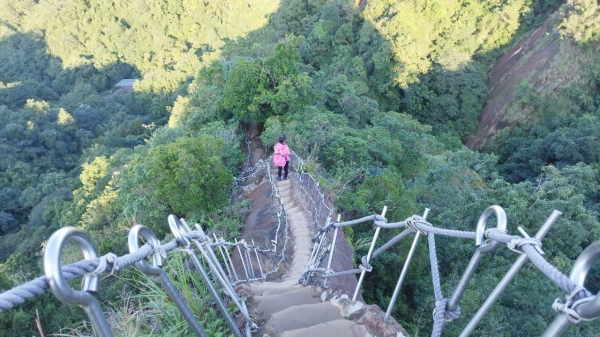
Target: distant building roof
<point>126,82</point>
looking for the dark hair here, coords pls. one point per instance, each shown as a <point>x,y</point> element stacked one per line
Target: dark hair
<point>282,139</point>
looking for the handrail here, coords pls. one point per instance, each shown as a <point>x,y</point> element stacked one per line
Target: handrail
<point>580,304</point>
<point>447,310</point>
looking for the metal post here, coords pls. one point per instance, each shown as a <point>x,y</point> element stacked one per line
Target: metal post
<point>478,255</point>
<point>332,250</point>
<point>364,271</point>
<point>242,259</point>
<point>586,310</point>
<point>512,272</point>
<point>404,271</point>
<point>258,259</point>
<point>159,274</point>
<point>224,259</point>
<point>58,284</point>
<point>249,260</point>
<point>178,230</point>
<point>230,262</point>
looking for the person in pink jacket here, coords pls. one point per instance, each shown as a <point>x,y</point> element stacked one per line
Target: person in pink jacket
<point>281,158</point>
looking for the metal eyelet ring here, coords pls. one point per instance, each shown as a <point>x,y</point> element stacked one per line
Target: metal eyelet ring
<point>52,267</point>
<point>485,247</point>
<point>134,246</point>
<point>579,272</point>
<point>179,230</point>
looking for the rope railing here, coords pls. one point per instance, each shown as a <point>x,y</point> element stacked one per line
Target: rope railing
<point>222,269</point>
<point>263,170</point>
<point>55,278</point>
<point>580,304</point>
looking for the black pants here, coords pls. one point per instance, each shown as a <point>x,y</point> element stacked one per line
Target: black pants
<point>285,169</point>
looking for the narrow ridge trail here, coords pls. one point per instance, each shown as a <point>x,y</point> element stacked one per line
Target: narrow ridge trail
<point>292,310</point>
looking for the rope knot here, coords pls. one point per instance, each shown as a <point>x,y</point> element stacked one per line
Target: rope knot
<point>365,264</point>
<point>491,232</point>
<point>160,251</point>
<point>449,315</point>
<point>412,224</point>
<point>379,218</point>
<point>569,307</point>
<point>107,262</point>
<point>516,244</point>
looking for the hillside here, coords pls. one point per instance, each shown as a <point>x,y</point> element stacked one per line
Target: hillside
<point>377,98</point>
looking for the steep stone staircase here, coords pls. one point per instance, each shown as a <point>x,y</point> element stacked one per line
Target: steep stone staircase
<point>290,309</point>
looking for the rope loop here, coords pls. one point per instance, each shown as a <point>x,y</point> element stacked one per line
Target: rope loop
<point>412,224</point>
<point>365,264</point>
<point>106,262</point>
<point>186,250</point>
<point>379,218</point>
<point>449,315</point>
<point>161,251</point>
<point>516,244</point>
<point>495,231</point>
<point>569,306</point>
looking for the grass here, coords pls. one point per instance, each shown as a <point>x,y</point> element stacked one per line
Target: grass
<point>144,309</point>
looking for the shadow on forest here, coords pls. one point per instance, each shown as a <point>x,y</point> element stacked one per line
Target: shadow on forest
<point>29,72</point>
<point>449,99</point>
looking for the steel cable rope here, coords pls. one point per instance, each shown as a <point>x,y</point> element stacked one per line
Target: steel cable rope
<point>39,286</point>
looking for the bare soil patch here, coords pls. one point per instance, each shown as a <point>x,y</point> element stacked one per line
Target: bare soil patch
<point>526,60</point>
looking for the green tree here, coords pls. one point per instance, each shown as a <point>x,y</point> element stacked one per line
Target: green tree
<point>185,177</point>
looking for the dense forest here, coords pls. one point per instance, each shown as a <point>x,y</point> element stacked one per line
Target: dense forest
<point>377,96</point>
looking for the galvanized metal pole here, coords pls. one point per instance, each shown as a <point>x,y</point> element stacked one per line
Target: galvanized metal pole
<point>230,262</point>
<point>59,286</point>
<point>478,255</point>
<point>224,259</point>
<point>512,272</point>
<point>586,310</point>
<point>162,278</point>
<point>332,250</point>
<point>364,271</point>
<point>178,229</point>
<point>409,257</point>
<point>258,259</point>
<point>242,259</point>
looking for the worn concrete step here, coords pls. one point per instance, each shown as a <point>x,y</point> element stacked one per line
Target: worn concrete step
<point>260,288</point>
<point>341,328</point>
<point>298,217</point>
<point>293,210</point>
<point>281,290</point>
<point>285,188</point>
<point>283,183</point>
<point>302,316</point>
<point>266,305</point>
<point>304,245</point>
<point>286,195</point>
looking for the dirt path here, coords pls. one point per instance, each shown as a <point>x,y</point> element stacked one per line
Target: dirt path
<point>521,62</point>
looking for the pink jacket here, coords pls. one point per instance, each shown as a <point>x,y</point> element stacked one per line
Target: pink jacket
<point>281,155</point>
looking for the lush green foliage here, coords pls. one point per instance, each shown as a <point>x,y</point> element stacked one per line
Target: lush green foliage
<point>376,101</point>
<point>581,20</point>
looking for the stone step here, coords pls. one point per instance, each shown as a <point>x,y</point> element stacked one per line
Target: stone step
<point>293,210</point>
<point>285,188</point>
<point>341,328</point>
<point>283,183</point>
<point>281,290</point>
<point>266,305</point>
<point>297,217</point>
<point>304,245</point>
<point>286,194</point>
<point>260,288</point>
<point>302,316</point>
